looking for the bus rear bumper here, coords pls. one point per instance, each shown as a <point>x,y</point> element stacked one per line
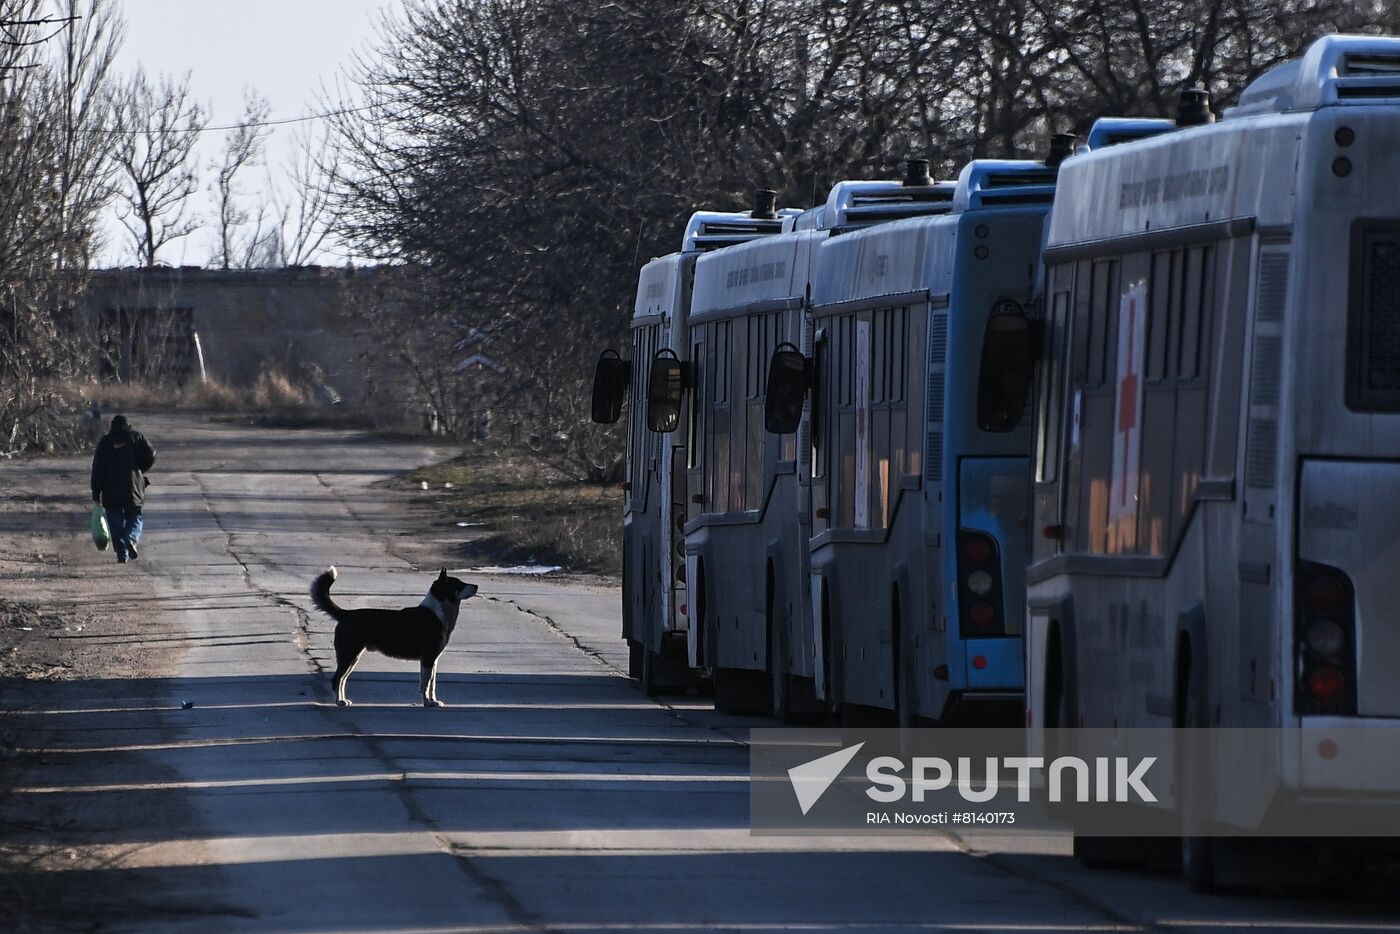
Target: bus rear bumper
<point>1345,757</point>
<point>1003,708</point>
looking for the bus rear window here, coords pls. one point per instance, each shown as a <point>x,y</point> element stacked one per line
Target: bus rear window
<point>1373,332</point>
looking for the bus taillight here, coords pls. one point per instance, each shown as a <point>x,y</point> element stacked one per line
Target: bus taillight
<point>1325,594</point>
<point>1326,685</point>
<point>977,549</point>
<point>981,615</point>
<point>979,585</point>
<point>1325,640</point>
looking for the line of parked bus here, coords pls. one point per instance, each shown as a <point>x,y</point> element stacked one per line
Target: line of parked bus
<point>1106,440</point>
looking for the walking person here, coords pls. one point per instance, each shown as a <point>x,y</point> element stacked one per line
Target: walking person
<point>119,483</point>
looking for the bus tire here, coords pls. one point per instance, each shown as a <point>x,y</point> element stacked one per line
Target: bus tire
<point>741,691</point>
<point>1199,854</point>
<point>648,679</point>
<point>634,659</point>
<point>1108,852</point>
<point>903,687</point>
<point>777,653</point>
<point>1198,863</point>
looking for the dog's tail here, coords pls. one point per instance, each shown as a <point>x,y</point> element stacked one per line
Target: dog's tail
<point>321,594</point>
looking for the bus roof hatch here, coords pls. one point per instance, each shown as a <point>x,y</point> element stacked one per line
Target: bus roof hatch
<point>1335,70</point>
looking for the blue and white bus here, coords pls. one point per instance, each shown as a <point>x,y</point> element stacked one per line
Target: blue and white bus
<point>747,529</point>
<point>655,612</point>
<point>920,451</point>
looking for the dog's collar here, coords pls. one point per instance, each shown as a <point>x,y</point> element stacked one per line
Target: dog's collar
<point>435,605</point>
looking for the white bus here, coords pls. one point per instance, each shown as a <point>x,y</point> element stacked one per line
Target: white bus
<point>1217,470</point>
<point>654,610</point>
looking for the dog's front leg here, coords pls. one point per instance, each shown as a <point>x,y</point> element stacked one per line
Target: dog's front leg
<point>427,683</point>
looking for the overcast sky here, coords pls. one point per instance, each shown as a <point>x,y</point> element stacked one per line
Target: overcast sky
<point>284,49</point>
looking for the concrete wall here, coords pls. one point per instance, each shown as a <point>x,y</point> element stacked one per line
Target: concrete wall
<point>244,318</point>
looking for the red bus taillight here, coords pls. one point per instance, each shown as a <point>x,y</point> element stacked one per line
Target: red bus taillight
<point>1325,594</point>
<point>979,585</point>
<point>1326,685</point>
<point>977,549</point>
<point>1324,640</point>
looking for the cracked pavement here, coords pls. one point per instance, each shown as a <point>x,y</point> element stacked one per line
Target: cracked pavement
<point>548,795</point>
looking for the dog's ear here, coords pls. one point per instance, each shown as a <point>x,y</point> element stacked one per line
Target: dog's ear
<point>443,575</point>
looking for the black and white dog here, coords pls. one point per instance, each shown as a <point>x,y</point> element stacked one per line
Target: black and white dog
<point>419,632</point>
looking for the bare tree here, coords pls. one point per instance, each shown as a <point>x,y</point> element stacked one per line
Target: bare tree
<point>83,93</point>
<point>522,156</point>
<point>54,111</point>
<point>243,147</point>
<point>304,213</point>
<point>156,130</point>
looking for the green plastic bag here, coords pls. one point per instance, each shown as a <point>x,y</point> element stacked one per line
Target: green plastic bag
<point>101,535</point>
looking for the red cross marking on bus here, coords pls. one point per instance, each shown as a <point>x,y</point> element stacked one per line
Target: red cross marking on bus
<point>1127,398</point>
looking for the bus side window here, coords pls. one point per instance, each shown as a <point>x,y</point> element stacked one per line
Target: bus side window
<point>1050,418</point>
<point>1195,321</point>
<point>697,395</point>
<point>819,408</point>
<point>1103,306</point>
<point>1163,313</point>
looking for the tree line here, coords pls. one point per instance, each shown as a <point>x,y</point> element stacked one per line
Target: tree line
<point>520,159</point>
<point>514,162</point>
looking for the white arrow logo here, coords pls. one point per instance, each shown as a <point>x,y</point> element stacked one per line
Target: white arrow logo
<point>810,780</point>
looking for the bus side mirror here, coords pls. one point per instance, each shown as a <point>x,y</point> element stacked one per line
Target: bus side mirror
<point>1008,365</point>
<point>664,387</point>
<point>789,375</point>
<point>610,379</point>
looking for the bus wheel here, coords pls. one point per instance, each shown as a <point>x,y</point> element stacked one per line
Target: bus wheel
<point>782,686</point>
<point>634,659</point>
<point>777,653</point>
<point>738,690</point>
<point>1198,863</point>
<point>903,677</point>
<point>1105,852</point>
<point>647,679</point>
<point>1200,855</point>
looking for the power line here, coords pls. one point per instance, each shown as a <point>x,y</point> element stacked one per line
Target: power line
<point>282,122</point>
<point>285,121</point>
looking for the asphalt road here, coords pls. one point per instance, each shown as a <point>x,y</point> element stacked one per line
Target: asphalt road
<point>548,795</point>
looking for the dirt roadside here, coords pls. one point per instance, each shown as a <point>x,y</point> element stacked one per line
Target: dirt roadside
<point>65,611</point>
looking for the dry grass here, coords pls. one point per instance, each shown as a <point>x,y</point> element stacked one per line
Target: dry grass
<point>523,511</point>
<point>272,391</point>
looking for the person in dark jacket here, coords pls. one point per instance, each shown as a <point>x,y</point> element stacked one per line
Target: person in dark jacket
<point>119,483</point>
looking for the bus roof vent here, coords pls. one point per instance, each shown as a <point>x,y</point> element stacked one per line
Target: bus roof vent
<point>1193,108</point>
<point>916,173</point>
<point>990,183</point>
<point>1111,131</point>
<point>1062,146</point>
<point>765,204</point>
<point>1335,70</point>
<point>714,230</point>
<point>862,203</point>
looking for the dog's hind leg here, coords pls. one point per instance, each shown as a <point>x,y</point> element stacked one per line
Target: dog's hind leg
<point>345,662</point>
